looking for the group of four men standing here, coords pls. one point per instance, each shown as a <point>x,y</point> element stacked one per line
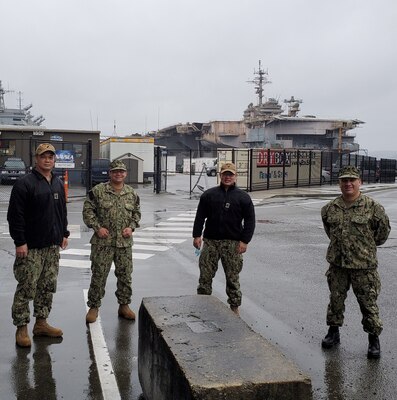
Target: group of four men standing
<point>223,227</point>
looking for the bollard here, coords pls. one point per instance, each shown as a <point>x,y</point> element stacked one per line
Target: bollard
<point>66,184</point>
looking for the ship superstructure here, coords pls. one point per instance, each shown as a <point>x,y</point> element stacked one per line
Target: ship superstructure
<point>267,125</point>
<point>264,125</point>
<point>17,116</point>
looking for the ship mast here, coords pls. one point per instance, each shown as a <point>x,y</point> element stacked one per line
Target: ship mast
<point>259,81</point>
<point>2,93</point>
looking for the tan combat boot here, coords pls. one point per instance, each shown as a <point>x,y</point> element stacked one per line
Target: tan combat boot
<point>22,338</point>
<point>126,312</point>
<point>235,310</point>
<point>92,315</point>
<point>42,328</point>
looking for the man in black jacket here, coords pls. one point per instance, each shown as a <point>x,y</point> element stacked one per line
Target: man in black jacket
<point>229,218</point>
<point>37,221</point>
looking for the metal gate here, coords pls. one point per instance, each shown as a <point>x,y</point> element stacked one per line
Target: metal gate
<point>160,169</point>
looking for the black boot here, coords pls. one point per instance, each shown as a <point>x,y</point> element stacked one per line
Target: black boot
<point>373,346</point>
<point>332,338</point>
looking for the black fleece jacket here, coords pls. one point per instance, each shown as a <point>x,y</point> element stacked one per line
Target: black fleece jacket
<point>37,213</point>
<point>224,212</point>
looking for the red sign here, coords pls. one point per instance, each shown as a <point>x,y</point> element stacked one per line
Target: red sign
<point>273,158</point>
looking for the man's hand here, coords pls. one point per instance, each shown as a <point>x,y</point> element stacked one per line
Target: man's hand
<point>197,242</point>
<point>127,233</point>
<point>242,247</point>
<point>21,251</point>
<point>103,233</point>
<point>64,243</point>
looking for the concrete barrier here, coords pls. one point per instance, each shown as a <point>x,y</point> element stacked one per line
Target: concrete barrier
<point>196,348</point>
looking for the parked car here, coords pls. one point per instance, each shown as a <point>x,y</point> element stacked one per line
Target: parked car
<point>99,171</point>
<point>212,171</point>
<point>325,176</point>
<point>13,169</point>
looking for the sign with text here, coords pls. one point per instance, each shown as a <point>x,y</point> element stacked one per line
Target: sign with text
<point>273,158</point>
<point>65,159</point>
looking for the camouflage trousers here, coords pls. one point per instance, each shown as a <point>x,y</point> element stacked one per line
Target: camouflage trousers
<point>101,262</point>
<point>37,280</point>
<point>366,287</point>
<point>232,262</point>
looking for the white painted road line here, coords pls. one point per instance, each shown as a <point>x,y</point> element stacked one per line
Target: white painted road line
<point>162,234</point>
<point>181,229</point>
<point>149,247</point>
<point>85,252</point>
<point>181,224</point>
<point>75,231</point>
<point>153,239</point>
<point>181,219</point>
<point>155,234</point>
<point>76,252</point>
<point>110,390</point>
<point>83,264</point>
<point>157,240</point>
<point>188,214</point>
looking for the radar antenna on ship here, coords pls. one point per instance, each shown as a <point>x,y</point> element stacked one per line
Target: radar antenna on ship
<point>293,106</point>
<point>260,80</point>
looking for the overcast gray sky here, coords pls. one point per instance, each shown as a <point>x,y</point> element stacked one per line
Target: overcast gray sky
<point>149,64</point>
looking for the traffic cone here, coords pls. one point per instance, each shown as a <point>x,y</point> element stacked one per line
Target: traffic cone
<point>66,184</point>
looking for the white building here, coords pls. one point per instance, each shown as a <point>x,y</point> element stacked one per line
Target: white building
<point>140,147</point>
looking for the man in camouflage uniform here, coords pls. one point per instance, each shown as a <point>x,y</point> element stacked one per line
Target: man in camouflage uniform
<point>112,210</point>
<point>37,218</point>
<point>356,225</point>
<point>229,218</point>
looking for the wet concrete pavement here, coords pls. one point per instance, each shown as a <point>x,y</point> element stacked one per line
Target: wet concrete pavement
<point>284,299</point>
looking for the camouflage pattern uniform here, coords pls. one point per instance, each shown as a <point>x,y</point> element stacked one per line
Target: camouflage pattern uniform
<point>37,276</point>
<point>37,217</point>
<point>232,262</point>
<point>354,231</point>
<point>104,207</point>
<point>229,217</point>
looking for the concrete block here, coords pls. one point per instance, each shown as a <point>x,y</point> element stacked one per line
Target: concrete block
<point>196,348</point>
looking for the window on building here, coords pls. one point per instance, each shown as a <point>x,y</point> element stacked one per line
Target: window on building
<point>7,147</point>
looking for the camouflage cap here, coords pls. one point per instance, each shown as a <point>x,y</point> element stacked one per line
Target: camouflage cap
<point>228,167</point>
<point>43,147</point>
<point>349,172</point>
<point>117,164</point>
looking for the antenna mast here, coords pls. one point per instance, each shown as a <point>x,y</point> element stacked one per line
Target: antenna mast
<point>20,100</point>
<point>260,80</point>
<point>2,93</point>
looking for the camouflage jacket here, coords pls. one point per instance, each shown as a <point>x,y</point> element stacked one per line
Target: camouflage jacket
<point>105,208</point>
<point>355,231</point>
